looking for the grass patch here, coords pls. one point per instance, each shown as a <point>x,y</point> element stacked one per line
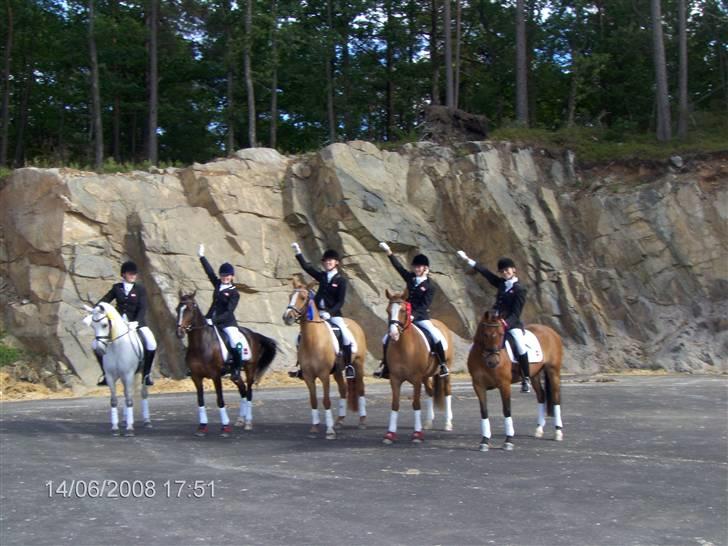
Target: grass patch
<point>8,355</point>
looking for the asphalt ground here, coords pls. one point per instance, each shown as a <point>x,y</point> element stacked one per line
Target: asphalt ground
<point>644,461</point>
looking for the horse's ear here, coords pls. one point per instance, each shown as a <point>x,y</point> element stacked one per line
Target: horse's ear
<point>88,308</point>
<point>311,285</point>
<point>194,292</point>
<point>405,294</point>
<point>180,294</point>
<point>296,281</point>
<point>388,293</point>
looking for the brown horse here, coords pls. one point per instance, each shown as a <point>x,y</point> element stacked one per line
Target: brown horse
<point>490,367</point>
<point>205,360</point>
<point>410,360</point>
<point>317,359</point>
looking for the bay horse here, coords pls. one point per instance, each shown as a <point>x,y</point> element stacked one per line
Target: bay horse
<point>490,367</point>
<point>318,360</point>
<point>409,359</point>
<point>204,359</point>
<point>123,355</point>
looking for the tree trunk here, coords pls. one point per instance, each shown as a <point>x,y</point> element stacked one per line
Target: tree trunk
<point>434,59</point>
<point>447,30</point>
<point>252,139</point>
<point>390,72</point>
<point>682,123</point>
<point>521,66</point>
<point>116,104</point>
<point>330,72</point>
<point>230,82</point>
<point>349,125</point>
<point>152,146</point>
<point>664,131</point>
<point>23,123</point>
<point>274,76</point>
<point>98,132</point>
<point>5,116</point>
<point>458,38</point>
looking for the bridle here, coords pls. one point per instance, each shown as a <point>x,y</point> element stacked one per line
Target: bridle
<point>408,316</point>
<point>108,340</point>
<point>302,311</point>
<point>490,354</point>
<point>189,327</point>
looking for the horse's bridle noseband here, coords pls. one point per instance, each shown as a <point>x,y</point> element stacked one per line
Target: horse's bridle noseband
<point>488,354</point>
<point>190,327</point>
<point>300,312</point>
<point>408,311</point>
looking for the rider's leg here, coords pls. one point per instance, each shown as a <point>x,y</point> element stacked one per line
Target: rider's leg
<point>521,350</point>
<point>439,346</point>
<point>100,359</point>
<point>383,371</point>
<point>150,349</point>
<point>296,371</point>
<point>236,344</point>
<point>346,350</point>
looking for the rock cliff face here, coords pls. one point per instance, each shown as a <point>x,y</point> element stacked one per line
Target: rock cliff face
<point>630,267</point>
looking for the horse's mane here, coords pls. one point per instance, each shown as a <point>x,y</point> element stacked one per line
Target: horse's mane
<point>114,318</point>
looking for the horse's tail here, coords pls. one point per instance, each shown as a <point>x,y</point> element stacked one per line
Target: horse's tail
<point>549,394</point>
<point>352,400</point>
<point>269,348</point>
<point>438,392</point>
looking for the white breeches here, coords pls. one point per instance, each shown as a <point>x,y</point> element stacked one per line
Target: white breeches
<point>434,332</point>
<point>147,338</point>
<point>519,340</point>
<point>346,336</point>
<point>235,336</point>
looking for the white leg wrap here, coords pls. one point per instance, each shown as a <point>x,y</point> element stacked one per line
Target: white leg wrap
<point>541,415</point>
<point>129,415</point>
<point>429,410</point>
<point>329,419</point>
<point>242,409</point>
<point>342,407</point>
<point>448,408</point>
<point>224,419</point>
<point>145,409</point>
<point>485,428</point>
<point>315,418</point>
<point>202,415</point>
<point>114,417</point>
<point>248,410</point>
<point>557,416</point>
<point>362,406</point>
<point>418,420</point>
<point>508,426</point>
<point>393,415</point>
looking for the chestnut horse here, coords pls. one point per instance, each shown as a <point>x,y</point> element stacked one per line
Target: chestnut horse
<point>490,367</point>
<point>409,359</point>
<point>317,359</point>
<point>205,360</point>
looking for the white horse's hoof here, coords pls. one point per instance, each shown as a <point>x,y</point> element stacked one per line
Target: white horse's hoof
<point>539,432</point>
<point>427,425</point>
<point>362,423</point>
<point>448,426</point>
<point>248,425</point>
<point>129,432</point>
<point>331,434</point>
<point>508,446</point>
<point>559,435</point>
<point>147,424</point>
<point>240,422</point>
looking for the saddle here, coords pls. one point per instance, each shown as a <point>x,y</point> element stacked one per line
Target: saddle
<point>429,340</point>
<point>226,350</point>
<point>533,346</point>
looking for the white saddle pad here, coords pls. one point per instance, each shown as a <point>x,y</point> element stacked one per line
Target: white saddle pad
<point>535,354</point>
<point>335,341</point>
<point>224,349</point>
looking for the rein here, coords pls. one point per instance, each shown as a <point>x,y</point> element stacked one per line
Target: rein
<point>300,313</point>
<point>407,320</point>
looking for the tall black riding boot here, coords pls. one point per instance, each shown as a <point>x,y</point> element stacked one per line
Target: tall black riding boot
<point>147,372</point>
<point>237,362</point>
<point>100,360</point>
<point>440,353</point>
<point>349,372</point>
<point>383,371</point>
<point>525,372</point>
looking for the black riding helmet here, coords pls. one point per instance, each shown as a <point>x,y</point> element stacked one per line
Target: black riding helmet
<point>330,255</point>
<point>505,263</point>
<point>226,269</point>
<point>129,267</point>
<point>421,259</point>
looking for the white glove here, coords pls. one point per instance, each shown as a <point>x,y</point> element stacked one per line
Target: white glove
<point>325,315</point>
<point>385,247</point>
<point>201,251</point>
<point>296,248</point>
<point>465,258</point>
<point>208,321</point>
<point>133,325</point>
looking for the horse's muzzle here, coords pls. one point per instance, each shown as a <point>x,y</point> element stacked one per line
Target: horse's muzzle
<point>180,332</point>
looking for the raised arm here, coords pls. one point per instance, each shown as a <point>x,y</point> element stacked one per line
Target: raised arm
<point>493,279</point>
<point>207,267</point>
<point>406,275</point>
<point>307,267</point>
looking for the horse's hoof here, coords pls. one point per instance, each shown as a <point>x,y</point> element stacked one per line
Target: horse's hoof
<point>115,432</point>
<point>248,425</point>
<point>539,432</point>
<point>330,434</point>
<point>226,431</point>
<point>339,422</point>
<point>240,422</point>
<point>559,435</point>
<point>427,425</point>
<point>147,424</point>
<point>129,433</point>
<point>201,431</point>
<point>362,424</point>
<point>418,437</point>
<point>448,426</point>
<point>508,446</point>
<point>390,438</point>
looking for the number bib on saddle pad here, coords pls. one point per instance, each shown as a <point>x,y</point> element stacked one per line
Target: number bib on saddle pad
<point>535,354</point>
<point>226,356</point>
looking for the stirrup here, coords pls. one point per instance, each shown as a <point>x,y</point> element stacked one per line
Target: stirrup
<point>526,385</point>
<point>297,373</point>
<point>382,372</point>
<point>148,380</point>
<point>102,382</point>
<point>444,371</point>
<point>349,372</point>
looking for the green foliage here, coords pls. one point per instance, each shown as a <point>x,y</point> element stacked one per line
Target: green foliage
<point>8,355</point>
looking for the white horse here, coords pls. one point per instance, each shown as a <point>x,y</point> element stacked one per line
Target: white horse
<point>123,354</point>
